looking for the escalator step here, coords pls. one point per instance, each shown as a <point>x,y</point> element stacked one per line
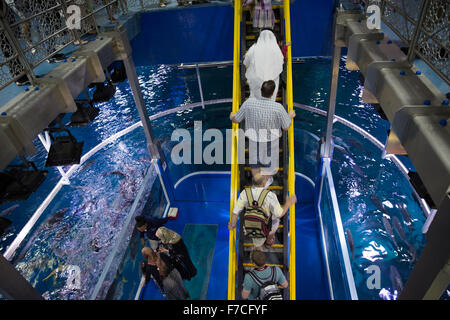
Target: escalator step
<point>275,245</point>
<point>251,22</point>
<point>275,6</point>
<point>250,169</point>
<point>270,187</point>
<point>252,265</point>
<point>281,150</point>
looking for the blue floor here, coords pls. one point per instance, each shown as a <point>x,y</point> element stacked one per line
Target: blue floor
<point>200,239</point>
<point>206,203</point>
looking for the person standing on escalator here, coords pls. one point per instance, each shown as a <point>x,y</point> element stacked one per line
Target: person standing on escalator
<point>262,13</point>
<point>270,205</point>
<point>262,282</point>
<point>264,119</point>
<point>264,61</point>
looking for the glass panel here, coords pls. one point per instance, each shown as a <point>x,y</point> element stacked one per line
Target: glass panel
<point>128,276</point>
<point>307,153</point>
<point>333,251</point>
<point>190,124</point>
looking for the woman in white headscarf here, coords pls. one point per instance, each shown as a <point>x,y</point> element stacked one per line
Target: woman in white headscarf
<point>264,61</point>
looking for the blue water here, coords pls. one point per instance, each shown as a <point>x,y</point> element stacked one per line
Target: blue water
<point>97,209</point>
<point>360,172</point>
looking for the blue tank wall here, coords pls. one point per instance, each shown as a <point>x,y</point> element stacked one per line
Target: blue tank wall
<point>205,33</point>
<point>191,34</point>
<point>312,27</point>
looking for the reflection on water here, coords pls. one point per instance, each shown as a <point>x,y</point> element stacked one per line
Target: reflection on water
<point>381,218</point>
<point>65,255</point>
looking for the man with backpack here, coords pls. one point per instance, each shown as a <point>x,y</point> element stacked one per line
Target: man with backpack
<point>262,212</point>
<point>262,282</point>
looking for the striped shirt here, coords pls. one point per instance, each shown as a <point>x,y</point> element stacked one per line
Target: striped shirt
<point>263,119</point>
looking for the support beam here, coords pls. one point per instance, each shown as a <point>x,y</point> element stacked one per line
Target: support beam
<point>13,285</point>
<point>333,91</point>
<point>200,86</point>
<point>155,150</point>
<point>430,276</point>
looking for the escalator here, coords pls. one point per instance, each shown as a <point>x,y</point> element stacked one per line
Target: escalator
<point>278,253</point>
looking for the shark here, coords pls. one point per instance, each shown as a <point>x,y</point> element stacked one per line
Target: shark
<point>350,241</point>
<point>388,228</point>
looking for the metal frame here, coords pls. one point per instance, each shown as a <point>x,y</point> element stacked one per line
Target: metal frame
<point>420,30</point>
<point>340,229</point>
<point>333,90</point>
<point>28,52</point>
<point>322,231</point>
<point>200,85</point>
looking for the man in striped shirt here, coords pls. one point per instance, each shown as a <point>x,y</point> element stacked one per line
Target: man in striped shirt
<point>264,119</point>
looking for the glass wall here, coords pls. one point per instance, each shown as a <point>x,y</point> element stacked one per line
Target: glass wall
<point>127,278</point>
<point>340,277</point>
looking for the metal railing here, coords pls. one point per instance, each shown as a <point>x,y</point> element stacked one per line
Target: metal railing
<point>33,31</point>
<point>291,164</point>
<point>424,26</point>
<point>232,256</point>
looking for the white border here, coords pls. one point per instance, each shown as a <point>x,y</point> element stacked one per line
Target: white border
<point>197,173</point>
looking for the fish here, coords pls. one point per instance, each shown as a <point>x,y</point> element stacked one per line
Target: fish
<point>57,217</point>
<point>406,215</point>
<point>83,188</point>
<point>116,172</point>
<point>351,244</point>
<point>341,142</point>
<point>399,229</point>
<point>377,203</point>
<point>356,144</point>
<point>87,165</point>
<point>49,222</point>
<point>6,212</point>
<point>388,228</point>
<point>396,280</point>
<point>357,169</point>
<point>342,149</point>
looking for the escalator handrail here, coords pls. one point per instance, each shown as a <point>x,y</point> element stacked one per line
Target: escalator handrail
<point>232,260</point>
<point>291,163</point>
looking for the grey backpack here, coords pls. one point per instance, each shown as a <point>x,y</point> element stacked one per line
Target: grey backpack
<point>268,289</point>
